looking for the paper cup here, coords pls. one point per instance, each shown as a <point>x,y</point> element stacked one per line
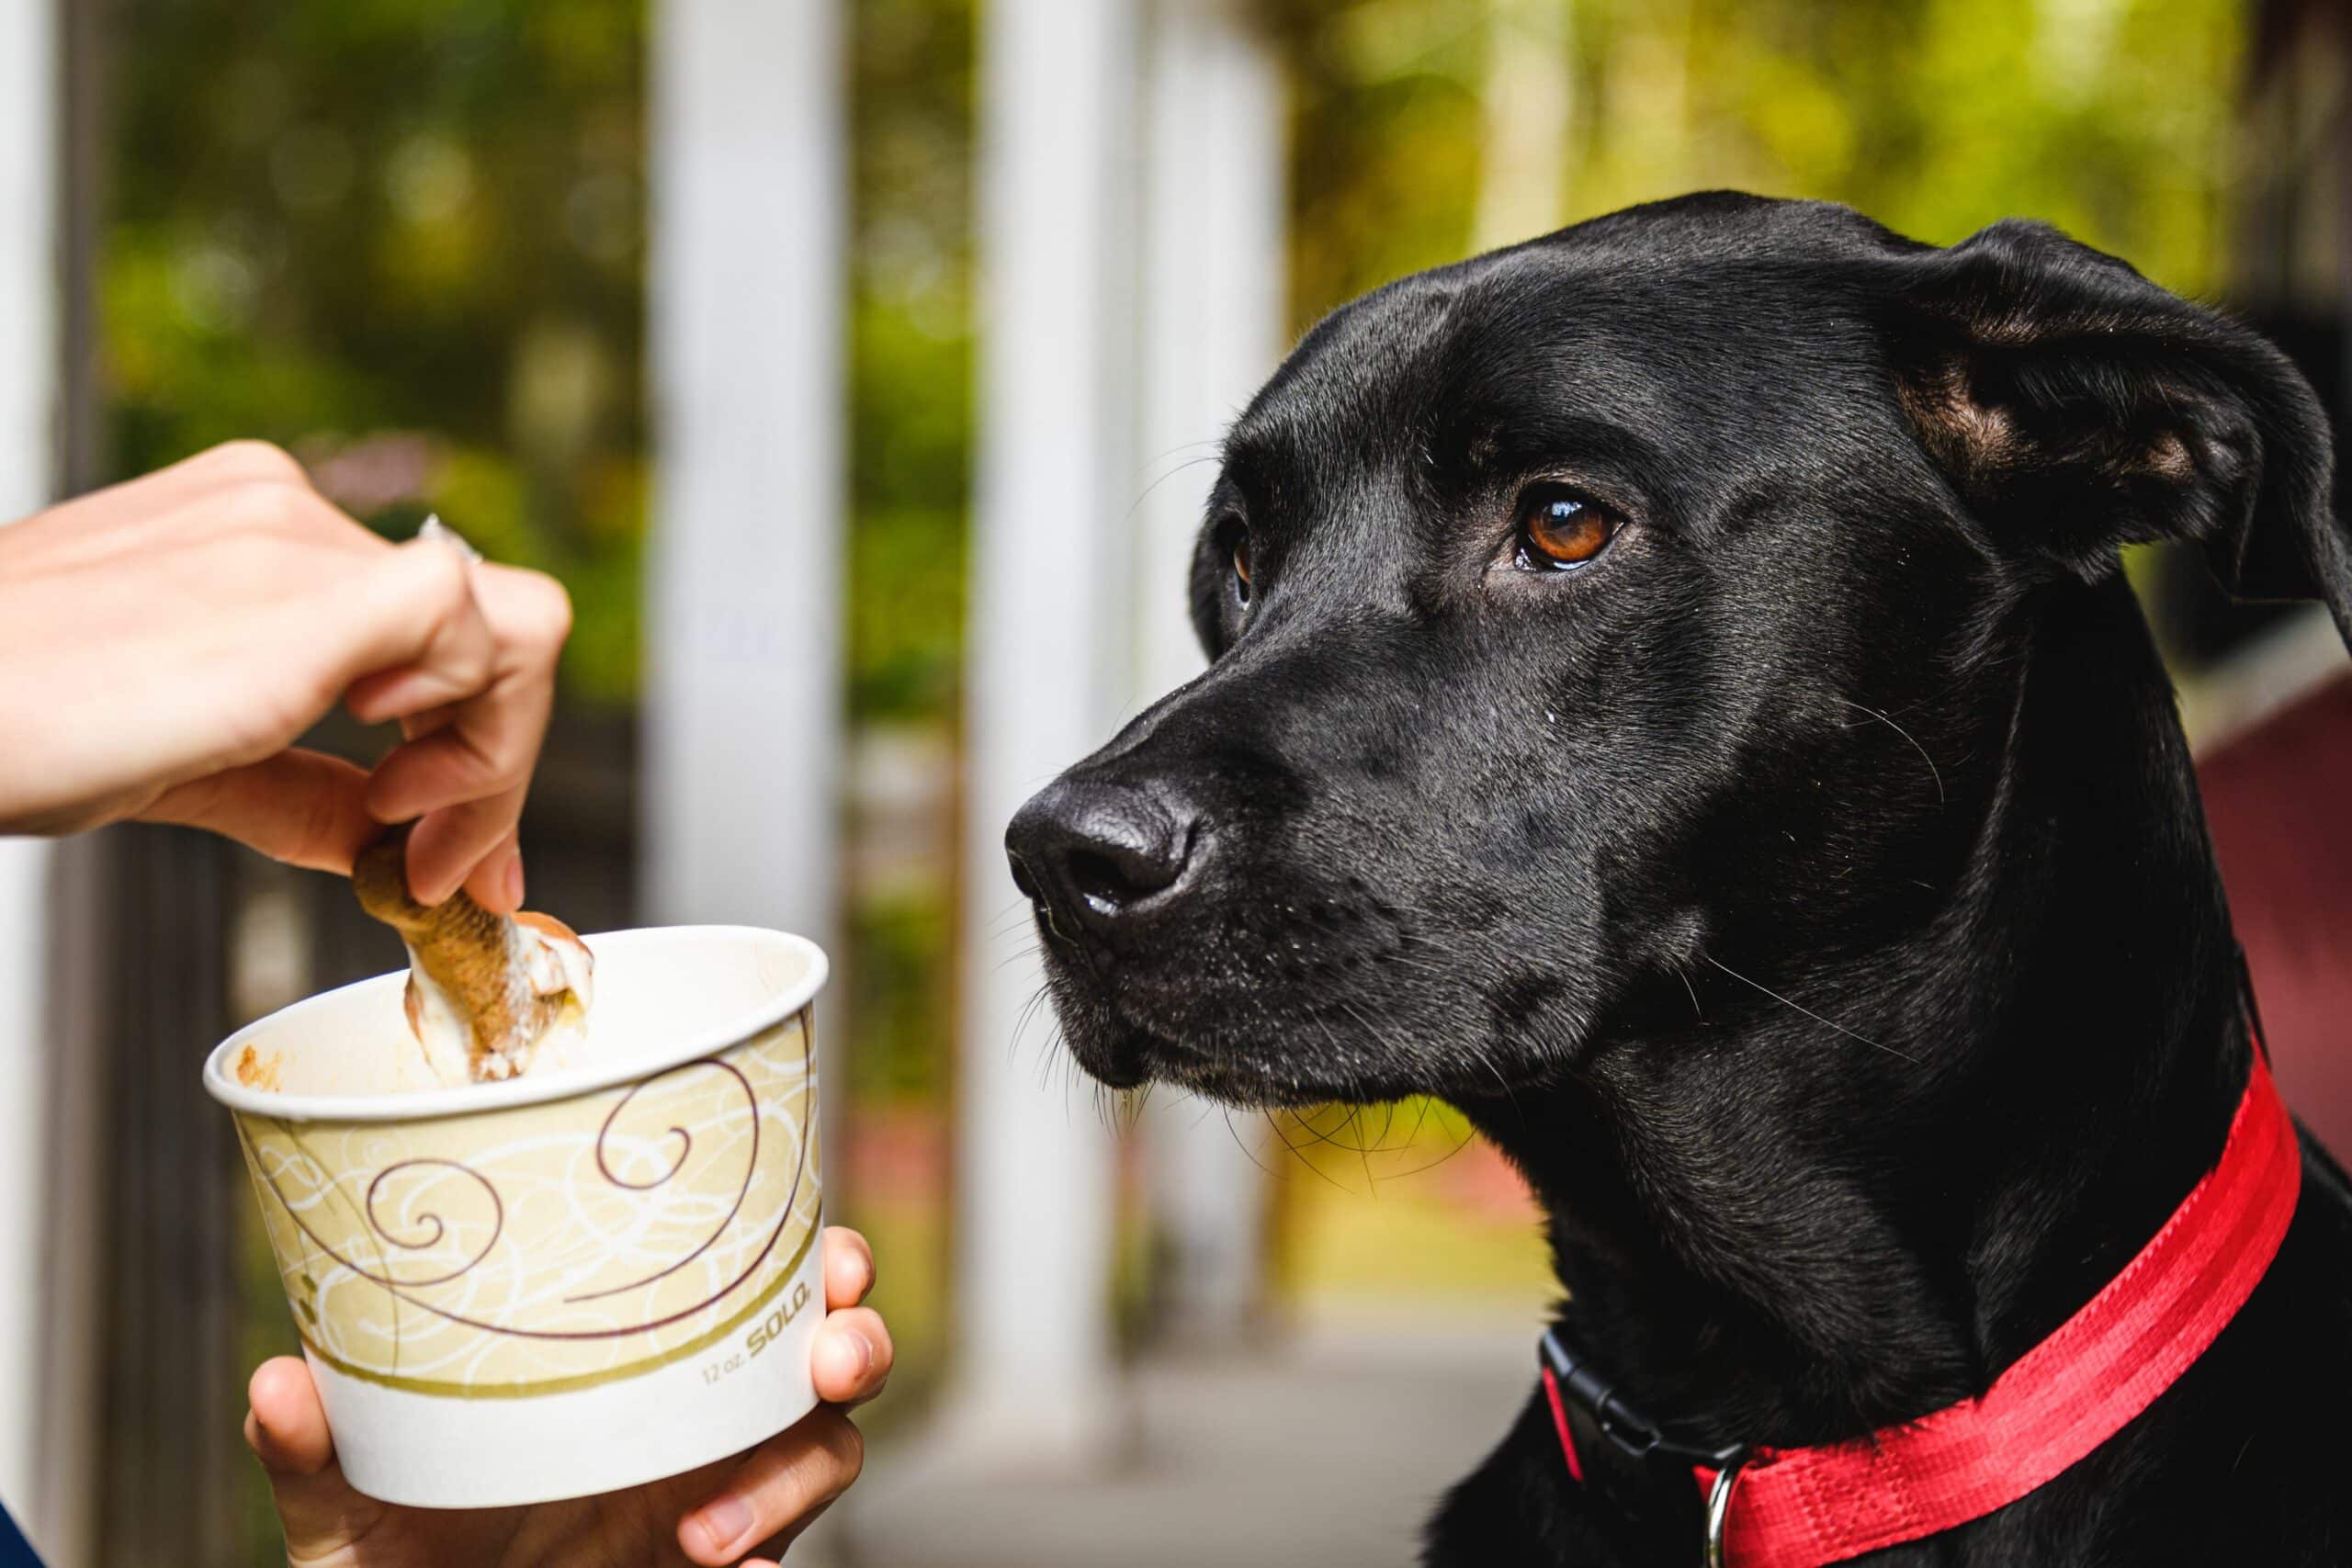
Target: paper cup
<point>600,1273</point>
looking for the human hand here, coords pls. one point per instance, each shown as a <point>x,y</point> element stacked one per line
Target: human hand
<point>707,1517</point>
<point>169,638</point>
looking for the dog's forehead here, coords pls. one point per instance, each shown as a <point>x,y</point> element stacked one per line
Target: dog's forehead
<point>1697,322</point>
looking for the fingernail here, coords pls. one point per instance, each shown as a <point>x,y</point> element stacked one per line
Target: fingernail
<point>514,881</point>
<point>725,1522</point>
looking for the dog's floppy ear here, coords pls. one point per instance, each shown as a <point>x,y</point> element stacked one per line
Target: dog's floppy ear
<point>2076,407</point>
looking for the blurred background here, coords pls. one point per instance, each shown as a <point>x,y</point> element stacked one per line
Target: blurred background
<point>859,365</point>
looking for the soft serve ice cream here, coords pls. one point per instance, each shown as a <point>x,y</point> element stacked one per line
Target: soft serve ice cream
<point>488,996</point>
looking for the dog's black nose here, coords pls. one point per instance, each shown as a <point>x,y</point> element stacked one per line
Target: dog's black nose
<point>1094,852</point>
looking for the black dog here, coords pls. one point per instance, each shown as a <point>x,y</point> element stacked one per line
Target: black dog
<point>1674,696</point>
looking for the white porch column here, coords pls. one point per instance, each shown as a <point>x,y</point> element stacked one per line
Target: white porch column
<point>1213,298</point>
<point>1050,667</point>
<point>746,575</point>
<point>1529,103</point>
<point>30,71</point>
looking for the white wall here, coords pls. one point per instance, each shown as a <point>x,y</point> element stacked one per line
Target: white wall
<point>28,386</point>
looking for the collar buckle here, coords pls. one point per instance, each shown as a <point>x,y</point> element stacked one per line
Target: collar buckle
<point>1645,1446</point>
<point>1719,1508</point>
<point>1636,1435</point>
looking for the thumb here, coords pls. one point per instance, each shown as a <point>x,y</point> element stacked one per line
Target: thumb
<point>287,1429</point>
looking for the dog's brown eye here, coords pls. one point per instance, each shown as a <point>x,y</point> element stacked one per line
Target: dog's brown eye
<point>1558,529</point>
<point>1241,565</point>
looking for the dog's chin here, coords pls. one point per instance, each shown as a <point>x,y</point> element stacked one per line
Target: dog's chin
<point>1114,1064</point>
<point>1123,1055</point>
<point>1264,1052</point>
<point>1129,1059</point>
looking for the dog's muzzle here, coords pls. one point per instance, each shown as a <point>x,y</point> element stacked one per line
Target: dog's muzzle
<point>1096,859</point>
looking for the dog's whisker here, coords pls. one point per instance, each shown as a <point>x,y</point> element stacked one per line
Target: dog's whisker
<point>1420,1122</point>
<point>1684,976</point>
<point>1028,1011</point>
<point>1315,1135</point>
<point>1155,484</point>
<point>1380,1144</point>
<point>1298,1155</point>
<point>1242,1144</point>
<point>1006,917</point>
<point>1510,1094</point>
<point>1933,771</point>
<point>1363,1155</point>
<point>1830,1022</point>
<point>1450,1153</point>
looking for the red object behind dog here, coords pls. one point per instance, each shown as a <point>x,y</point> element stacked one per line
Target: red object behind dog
<point>2275,798</point>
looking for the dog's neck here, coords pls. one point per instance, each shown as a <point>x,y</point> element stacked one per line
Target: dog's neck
<point>1858,1236</point>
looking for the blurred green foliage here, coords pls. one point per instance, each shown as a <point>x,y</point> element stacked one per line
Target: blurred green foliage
<point>2112,118</point>
<point>902,1008</point>
<point>405,238</point>
<point>910,337</point>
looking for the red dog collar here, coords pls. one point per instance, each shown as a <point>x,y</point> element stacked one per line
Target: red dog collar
<point>1801,1508</point>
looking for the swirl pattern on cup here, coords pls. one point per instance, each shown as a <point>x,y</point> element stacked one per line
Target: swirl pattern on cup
<point>431,1217</point>
<point>548,1243</point>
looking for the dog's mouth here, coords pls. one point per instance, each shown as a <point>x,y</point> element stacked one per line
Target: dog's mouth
<point>1130,1024</point>
<point>1126,1058</point>
<point>1260,973</point>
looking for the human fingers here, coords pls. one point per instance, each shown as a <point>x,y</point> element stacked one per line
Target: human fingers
<point>849,1268</point>
<point>287,1426</point>
<point>287,1429</point>
<point>529,614</point>
<point>433,689</point>
<point>467,778</point>
<point>303,807</point>
<point>473,845</point>
<point>780,1484</point>
<point>851,1355</point>
<point>790,1534</point>
<point>496,881</point>
<point>412,608</point>
<point>182,642</point>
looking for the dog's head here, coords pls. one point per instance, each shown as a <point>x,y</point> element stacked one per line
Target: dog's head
<point>1644,593</point>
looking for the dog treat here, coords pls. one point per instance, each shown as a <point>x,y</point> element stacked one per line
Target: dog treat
<point>485,992</point>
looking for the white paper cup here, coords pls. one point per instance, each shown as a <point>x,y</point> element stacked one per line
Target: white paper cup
<point>600,1273</point>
